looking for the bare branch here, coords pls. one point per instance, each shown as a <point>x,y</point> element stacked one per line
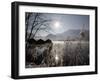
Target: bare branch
<point>27,22</point>
<point>39,27</point>
<point>33,26</point>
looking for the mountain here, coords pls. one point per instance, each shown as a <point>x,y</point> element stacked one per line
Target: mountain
<point>68,35</point>
<point>71,33</point>
<point>51,36</point>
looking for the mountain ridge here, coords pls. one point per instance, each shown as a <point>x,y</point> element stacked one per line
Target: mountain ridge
<point>69,34</point>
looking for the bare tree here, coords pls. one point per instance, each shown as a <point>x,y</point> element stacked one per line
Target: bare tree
<point>27,16</point>
<point>34,21</point>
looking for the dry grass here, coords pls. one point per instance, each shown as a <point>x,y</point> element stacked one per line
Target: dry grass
<point>69,53</point>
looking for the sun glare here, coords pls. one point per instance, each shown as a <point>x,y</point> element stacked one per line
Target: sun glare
<point>56,57</point>
<point>57,24</point>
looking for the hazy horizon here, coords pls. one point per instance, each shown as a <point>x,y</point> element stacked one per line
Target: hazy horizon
<point>61,22</point>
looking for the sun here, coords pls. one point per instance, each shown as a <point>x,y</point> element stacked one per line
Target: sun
<point>56,24</point>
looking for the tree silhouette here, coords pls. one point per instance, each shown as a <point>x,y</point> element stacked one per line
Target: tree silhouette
<point>34,21</point>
